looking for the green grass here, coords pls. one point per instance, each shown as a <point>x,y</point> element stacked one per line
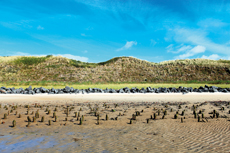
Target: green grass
<point>53,84</point>
<point>53,66</point>
<point>224,61</point>
<point>110,61</point>
<point>30,60</point>
<point>86,64</point>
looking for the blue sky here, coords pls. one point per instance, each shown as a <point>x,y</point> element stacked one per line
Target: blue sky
<point>98,30</point>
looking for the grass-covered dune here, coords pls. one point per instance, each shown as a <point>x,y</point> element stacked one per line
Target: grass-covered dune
<point>50,70</point>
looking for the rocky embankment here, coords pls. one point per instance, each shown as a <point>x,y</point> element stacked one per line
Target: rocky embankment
<point>67,90</point>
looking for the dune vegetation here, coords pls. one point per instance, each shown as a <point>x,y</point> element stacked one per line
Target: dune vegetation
<point>58,71</point>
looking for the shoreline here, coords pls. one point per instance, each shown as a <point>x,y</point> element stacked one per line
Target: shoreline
<point>115,97</point>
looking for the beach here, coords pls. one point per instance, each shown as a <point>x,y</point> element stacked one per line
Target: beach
<point>116,134</point>
<point>115,97</point>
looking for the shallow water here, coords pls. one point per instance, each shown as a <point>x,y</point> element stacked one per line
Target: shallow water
<point>10,143</point>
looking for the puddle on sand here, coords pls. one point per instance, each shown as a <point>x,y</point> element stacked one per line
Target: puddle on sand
<point>22,145</point>
<point>19,145</point>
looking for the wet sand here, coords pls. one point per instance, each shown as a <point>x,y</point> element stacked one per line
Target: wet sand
<point>116,134</point>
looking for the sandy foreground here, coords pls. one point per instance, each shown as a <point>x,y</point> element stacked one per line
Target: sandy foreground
<point>162,134</point>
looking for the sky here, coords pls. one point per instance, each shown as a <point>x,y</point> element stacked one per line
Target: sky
<point>98,30</point>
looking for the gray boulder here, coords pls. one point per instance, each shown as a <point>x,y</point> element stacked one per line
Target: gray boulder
<point>67,89</point>
<point>60,92</point>
<point>4,88</point>
<point>37,90</point>
<point>3,91</point>
<point>29,88</point>
<point>121,91</point>
<point>30,92</point>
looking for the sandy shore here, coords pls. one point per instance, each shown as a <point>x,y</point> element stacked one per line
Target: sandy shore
<point>165,133</point>
<point>97,97</point>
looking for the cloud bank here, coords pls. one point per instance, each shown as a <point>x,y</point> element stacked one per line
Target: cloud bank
<point>196,50</point>
<point>187,50</point>
<point>212,57</point>
<point>128,45</point>
<point>198,37</point>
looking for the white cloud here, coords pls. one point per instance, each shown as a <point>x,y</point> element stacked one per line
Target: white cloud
<point>216,57</point>
<point>178,49</point>
<point>210,22</point>
<point>153,42</point>
<point>213,57</point>
<point>170,48</point>
<point>40,28</point>
<point>79,58</point>
<point>198,37</point>
<point>196,50</point>
<point>128,45</point>
<point>183,48</point>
